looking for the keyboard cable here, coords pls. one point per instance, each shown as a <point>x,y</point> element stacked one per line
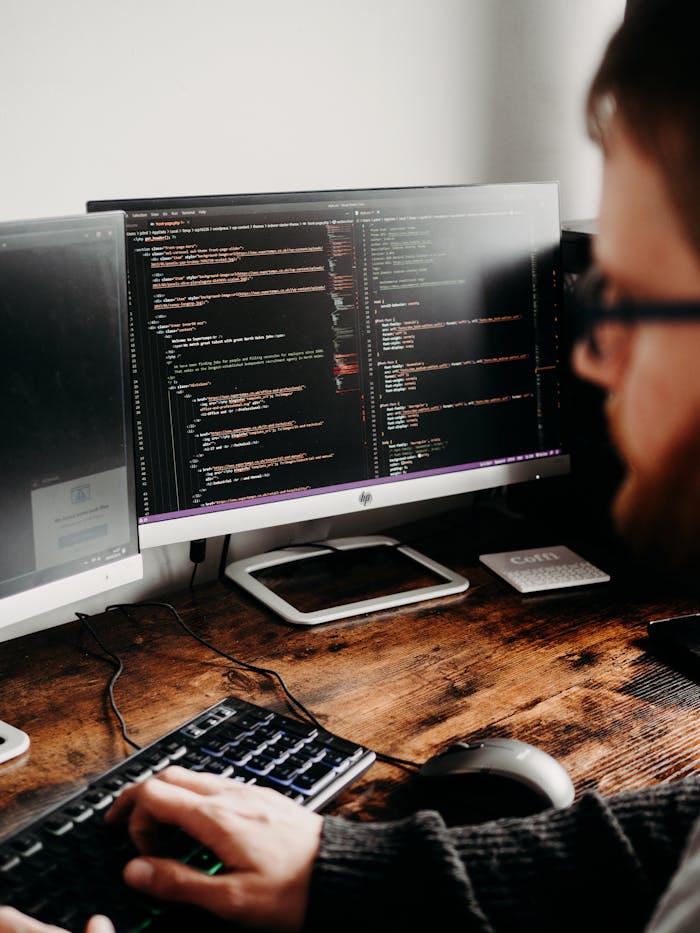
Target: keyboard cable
<point>270,672</point>
<point>295,703</point>
<point>117,662</point>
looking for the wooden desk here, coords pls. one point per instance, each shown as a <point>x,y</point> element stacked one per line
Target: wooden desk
<point>569,673</point>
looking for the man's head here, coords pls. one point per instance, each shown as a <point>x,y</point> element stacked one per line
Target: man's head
<point>644,109</point>
<point>649,77</point>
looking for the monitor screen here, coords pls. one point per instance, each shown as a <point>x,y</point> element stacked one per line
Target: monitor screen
<point>306,355</point>
<point>67,490</point>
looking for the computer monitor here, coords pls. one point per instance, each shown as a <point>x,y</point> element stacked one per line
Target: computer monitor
<point>306,355</point>
<point>67,489</point>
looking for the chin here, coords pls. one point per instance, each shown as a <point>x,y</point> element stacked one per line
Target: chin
<point>657,507</point>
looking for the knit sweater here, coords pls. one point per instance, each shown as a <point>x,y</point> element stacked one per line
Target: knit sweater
<point>600,865</point>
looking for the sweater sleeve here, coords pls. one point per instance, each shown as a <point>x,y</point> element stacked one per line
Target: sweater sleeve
<point>599,865</point>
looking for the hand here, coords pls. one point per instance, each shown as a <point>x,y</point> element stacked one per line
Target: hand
<point>12,921</point>
<point>266,842</point>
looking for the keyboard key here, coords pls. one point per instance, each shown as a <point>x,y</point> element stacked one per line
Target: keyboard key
<point>114,785</point>
<point>337,759</point>
<point>8,860</point>
<point>26,845</point>
<point>237,756</point>
<point>252,719</point>
<point>214,746</point>
<point>174,750</point>
<point>259,764</point>
<point>197,761</point>
<point>98,799</point>
<point>204,860</point>
<point>303,729</point>
<point>283,773</point>
<point>347,749</point>
<point>292,743</point>
<point>58,825</point>
<point>207,723</point>
<point>218,767</point>
<point>313,778</point>
<point>155,761</point>
<point>137,772</point>
<point>79,812</point>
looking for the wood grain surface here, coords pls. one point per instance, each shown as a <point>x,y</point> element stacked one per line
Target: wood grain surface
<point>568,672</point>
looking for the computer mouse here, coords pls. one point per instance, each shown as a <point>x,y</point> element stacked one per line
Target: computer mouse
<point>493,778</point>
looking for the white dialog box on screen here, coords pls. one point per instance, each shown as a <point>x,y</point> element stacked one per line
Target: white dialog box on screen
<point>74,519</point>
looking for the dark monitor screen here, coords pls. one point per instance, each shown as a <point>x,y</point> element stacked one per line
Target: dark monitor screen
<point>304,355</point>
<point>67,490</point>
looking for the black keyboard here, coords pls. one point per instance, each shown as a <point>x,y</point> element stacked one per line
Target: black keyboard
<point>67,865</point>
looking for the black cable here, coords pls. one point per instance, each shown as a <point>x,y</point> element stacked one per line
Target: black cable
<point>269,672</point>
<point>198,551</point>
<point>398,762</point>
<point>325,546</point>
<point>194,571</point>
<point>116,660</point>
<point>123,607</point>
<point>223,560</point>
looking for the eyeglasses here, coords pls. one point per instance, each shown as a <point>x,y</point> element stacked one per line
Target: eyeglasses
<point>591,310</point>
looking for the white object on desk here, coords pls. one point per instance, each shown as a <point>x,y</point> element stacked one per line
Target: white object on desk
<point>544,568</point>
<point>12,741</point>
<point>241,572</point>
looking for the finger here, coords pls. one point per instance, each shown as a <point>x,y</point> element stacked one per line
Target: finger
<point>158,802</point>
<point>12,921</point>
<point>201,782</point>
<point>192,780</point>
<point>99,924</point>
<point>242,796</point>
<point>172,881</point>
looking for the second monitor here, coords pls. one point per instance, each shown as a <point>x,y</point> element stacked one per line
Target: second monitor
<point>305,355</point>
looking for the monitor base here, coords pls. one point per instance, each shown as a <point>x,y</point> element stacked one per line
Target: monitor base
<point>242,572</point>
<point>13,741</point>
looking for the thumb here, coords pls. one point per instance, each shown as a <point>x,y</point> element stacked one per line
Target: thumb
<point>169,880</point>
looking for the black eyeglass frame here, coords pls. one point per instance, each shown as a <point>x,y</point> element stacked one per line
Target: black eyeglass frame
<point>589,309</point>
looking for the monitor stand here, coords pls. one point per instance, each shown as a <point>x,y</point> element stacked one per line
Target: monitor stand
<point>13,741</point>
<point>243,573</point>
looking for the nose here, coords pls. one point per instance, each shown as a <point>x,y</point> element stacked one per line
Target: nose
<point>603,358</point>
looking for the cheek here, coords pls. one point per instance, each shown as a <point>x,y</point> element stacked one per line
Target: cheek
<point>650,414</point>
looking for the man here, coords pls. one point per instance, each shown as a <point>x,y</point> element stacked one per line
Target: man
<point>601,864</point>
<point>644,109</point>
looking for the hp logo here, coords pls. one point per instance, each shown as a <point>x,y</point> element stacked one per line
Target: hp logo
<point>364,498</point>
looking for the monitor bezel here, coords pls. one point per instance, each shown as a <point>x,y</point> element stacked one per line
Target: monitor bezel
<point>38,598</point>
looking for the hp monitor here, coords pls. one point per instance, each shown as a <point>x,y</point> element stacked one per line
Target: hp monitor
<point>306,355</point>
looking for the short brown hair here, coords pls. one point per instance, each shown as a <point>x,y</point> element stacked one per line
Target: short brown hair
<point>649,77</point>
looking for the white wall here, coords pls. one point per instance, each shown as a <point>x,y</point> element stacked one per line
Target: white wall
<point>142,98</point>
<point>164,97</point>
